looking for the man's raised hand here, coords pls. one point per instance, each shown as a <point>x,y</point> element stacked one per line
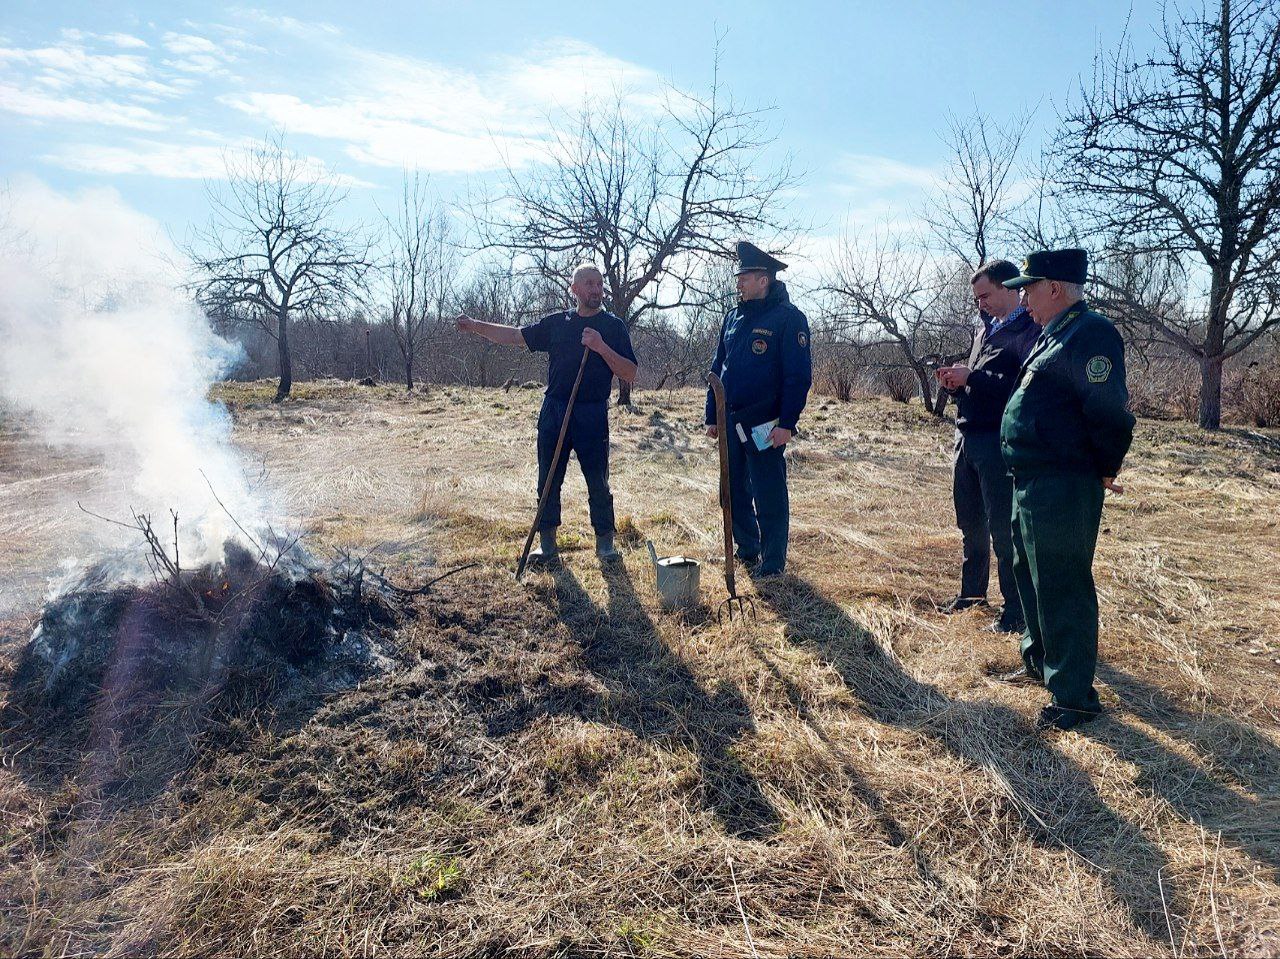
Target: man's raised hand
<point>464,322</point>
<point>592,339</point>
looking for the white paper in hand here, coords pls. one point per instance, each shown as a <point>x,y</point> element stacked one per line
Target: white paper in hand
<point>761,434</point>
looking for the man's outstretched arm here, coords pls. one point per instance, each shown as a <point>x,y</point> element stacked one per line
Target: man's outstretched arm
<point>493,332</point>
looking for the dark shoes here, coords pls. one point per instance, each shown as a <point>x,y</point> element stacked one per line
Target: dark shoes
<point>747,559</point>
<point>1059,717</point>
<point>962,603</point>
<point>1018,677</point>
<point>1009,624</point>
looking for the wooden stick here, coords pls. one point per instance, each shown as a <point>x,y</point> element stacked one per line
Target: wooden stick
<point>555,459</point>
<point>726,508</point>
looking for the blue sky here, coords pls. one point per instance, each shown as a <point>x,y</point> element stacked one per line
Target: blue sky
<point>144,98</point>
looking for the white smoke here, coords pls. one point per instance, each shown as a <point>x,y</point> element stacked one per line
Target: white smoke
<point>103,353</point>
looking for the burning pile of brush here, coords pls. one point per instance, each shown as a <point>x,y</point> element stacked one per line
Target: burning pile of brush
<point>134,666</point>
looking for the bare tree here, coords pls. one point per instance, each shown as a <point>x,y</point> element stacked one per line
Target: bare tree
<point>420,271</point>
<point>494,294</point>
<point>648,201</point>
<point>675,346</point>
<point>977,198</point>
<point>891,298</point>
<point>1176,158</point>
<point>271,250</point>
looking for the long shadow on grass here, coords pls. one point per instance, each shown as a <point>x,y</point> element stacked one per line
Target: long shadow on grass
<point>1237,751</point>
<point>858,785</point>
<point>653,694</point>
<point>1054,799</point>
<point>1260,442</point>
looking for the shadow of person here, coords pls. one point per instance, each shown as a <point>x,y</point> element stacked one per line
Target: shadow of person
<point>856,782</point>
<point>654,694</point>
<point>1233,747</point>
<point>1251,824</point>
<point>1258,442</point>
<point>1053,798</point>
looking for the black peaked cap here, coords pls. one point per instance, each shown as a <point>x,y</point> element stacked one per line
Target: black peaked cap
<point>751,257</point>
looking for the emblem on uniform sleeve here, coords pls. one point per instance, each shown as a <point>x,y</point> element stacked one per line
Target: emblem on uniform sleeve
<point>1098,369</point>
<point>802,338</point>
<point>758,346</point>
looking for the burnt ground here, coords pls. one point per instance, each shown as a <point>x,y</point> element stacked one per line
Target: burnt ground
<point>561,768</point>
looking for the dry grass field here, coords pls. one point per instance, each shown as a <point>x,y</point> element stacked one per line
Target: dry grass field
<point>559,768</point>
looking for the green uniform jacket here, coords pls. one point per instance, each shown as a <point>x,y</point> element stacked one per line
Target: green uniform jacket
<point>1067,413</point>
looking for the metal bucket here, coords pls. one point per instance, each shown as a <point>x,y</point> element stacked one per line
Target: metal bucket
<point>677,579</point>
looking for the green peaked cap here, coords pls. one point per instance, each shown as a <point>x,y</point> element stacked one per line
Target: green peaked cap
<point>1066,266</point>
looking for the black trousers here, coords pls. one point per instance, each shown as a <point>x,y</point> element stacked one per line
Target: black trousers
<point>588,436</point>
<point>983,492</point>
<point>758,497</point>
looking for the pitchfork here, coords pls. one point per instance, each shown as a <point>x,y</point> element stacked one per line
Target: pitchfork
<point>744,605</point>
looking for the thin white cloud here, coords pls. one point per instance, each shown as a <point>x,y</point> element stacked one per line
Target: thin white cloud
<point>404,111</point>
<point>291,25</point>
<point>877,192</point>
<point>196,54</point>
<point>174,161</point>
<point>856,172</point>
<point>187,43</point>
<point>165,160</point>
<point>72,67</point>
<point>198,63</point>
<point>125,40</point>
<point>379,140</point>
<point>73,64</point>
<point>564,72</point>
<point>37,105</point>
<point>381,109</point>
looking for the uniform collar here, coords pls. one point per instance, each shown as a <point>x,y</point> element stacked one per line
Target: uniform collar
<point>1065,317</point>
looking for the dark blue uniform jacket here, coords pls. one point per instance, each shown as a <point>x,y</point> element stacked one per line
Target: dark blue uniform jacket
<point>763,359</point>
<point>560,336</point>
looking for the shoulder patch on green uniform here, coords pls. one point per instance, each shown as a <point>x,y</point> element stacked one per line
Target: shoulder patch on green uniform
<point>1098,369</point>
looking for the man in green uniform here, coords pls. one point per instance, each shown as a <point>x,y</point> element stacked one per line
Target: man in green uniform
<point>1064,434</point>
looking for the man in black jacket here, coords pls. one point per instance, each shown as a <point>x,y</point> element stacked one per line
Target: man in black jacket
<point>982,488</point>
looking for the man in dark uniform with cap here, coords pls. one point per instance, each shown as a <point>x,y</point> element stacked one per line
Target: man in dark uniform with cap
<point>563,336</point>
<point>763,359</point>
<point>1064,435</point>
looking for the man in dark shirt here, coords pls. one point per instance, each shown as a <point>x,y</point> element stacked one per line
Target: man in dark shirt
<point>982,488</point>
<point>563,336</point>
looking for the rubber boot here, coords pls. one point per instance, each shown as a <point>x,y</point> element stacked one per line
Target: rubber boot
<point>546,553</point>
<point>605,550</point>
